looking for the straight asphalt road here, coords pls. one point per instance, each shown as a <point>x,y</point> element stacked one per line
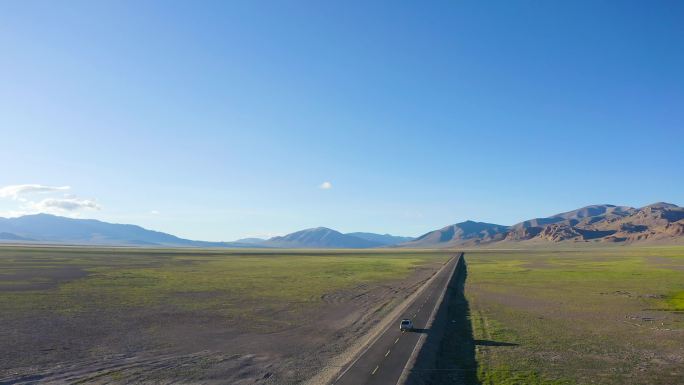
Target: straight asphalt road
<point>385,359</point>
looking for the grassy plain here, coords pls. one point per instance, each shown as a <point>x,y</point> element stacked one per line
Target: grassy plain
<point>59,304</point>
<point>586,316</point>
<point>201,281</point>
<point>539,317</point>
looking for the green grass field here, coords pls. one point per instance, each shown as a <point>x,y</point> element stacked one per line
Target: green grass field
<point>589,316</point>
<point>217,281</point>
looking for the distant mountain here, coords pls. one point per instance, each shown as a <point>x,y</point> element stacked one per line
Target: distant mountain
<point>251,241</point>
<point>660,223</point>
<point>47,228</point>
<point>320,237</point>
<point>13,237</point>
<point>468,233</point>
<point>383,239</point>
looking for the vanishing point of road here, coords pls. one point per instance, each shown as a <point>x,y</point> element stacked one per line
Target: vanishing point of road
<point>385,359</point>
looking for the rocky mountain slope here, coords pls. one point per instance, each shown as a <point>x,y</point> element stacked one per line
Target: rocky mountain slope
<point>659,222</point>
<point>605,223</point>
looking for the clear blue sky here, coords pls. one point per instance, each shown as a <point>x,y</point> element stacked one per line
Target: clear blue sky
<point>218,120</point>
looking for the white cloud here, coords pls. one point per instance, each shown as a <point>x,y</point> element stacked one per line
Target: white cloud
<point>154,212</point>
<point>65,204</point>
<point>59,203</point>
<point>15,191</point>
<point>325,186</point>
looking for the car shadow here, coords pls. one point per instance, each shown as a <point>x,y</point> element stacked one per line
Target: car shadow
<point>422,331</point>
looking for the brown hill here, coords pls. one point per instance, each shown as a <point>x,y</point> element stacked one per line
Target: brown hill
<point>659,222</point>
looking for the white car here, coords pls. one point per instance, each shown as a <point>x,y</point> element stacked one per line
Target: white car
<point>406,325</point>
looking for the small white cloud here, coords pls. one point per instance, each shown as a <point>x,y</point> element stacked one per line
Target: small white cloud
<point>67,204</point>
<point>15,191</point>
<point>325,186</point>
<point>154,212</point>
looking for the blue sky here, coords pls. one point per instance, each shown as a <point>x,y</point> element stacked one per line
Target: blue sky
<point>219,120</point>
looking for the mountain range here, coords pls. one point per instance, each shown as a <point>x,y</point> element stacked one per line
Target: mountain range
<point>656,223</point>
<point>659,222</point>
<point>46,228</point>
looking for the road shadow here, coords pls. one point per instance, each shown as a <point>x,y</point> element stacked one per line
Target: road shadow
<point>420,331</point>
<point>493,343</point>
<point>448,355</point>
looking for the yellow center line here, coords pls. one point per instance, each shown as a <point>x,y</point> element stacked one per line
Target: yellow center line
<point>387,354</point>
<point>375,370</point>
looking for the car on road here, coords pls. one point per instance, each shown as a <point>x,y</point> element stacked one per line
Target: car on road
<point>406,325</point>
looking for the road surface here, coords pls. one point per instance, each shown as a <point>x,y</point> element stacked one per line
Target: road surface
<point>384,360</point>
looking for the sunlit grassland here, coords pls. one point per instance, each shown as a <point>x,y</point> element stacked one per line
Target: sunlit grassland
<point>605,315</point>
<point>228,282</point>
